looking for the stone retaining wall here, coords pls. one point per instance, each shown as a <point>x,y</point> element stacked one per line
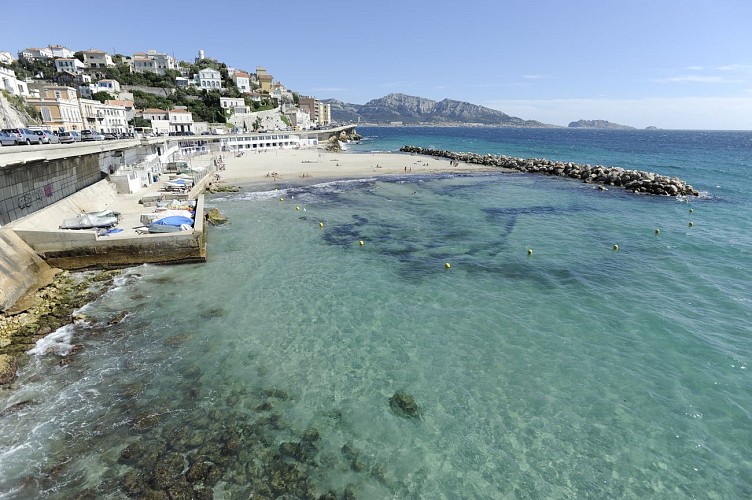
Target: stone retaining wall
<point>636,181</point>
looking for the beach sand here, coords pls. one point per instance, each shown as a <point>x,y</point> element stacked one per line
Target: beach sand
<point>310,166</point>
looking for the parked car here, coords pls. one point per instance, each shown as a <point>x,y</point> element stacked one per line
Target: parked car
<point>91,135</point>
<point>6,139</point>
<point>109,136</point>
<point>47,137</point>
<point>23,136</point>
<point>69,136</point>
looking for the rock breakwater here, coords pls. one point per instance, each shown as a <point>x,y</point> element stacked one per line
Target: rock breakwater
<point>636,181</point>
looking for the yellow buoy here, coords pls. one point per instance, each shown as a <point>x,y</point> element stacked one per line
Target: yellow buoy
<point>448,265</point>
<point>361,243</point>
<point>297,208</point>
<point>616,247</point>
<point>691,224</point>
<point>691,210</point>
<point>530,251</point>
<point>321,224</point>
<point>281,199</point>
<point>657,231</point>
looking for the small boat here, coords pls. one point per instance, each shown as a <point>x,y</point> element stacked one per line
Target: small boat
<point>105,218</point>
<point>170,224</point>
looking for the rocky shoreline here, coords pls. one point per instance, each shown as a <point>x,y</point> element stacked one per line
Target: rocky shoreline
<point>52,307</point>
<point>636,181</point>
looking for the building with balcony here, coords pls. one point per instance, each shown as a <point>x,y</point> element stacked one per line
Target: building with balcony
<point>153,62</point>
<point>69,64</point>
<point>103,118</point>
<point>59,107</point>
<point>234,104</point>
<point>36,54</point>
<point>97,59</point>
<point>209,79</point>
<point>129,106</point>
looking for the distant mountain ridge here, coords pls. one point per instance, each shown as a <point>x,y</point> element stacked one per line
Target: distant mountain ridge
<point>599,124</point>
<point>418,110</point>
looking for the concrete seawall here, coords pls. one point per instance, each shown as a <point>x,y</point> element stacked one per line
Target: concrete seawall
<point>21,269</point>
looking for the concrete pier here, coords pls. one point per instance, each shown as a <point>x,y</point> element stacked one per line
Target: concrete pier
<point>87,248</point>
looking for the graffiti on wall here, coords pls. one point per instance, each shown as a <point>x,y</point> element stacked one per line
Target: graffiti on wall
<point>27,199</point>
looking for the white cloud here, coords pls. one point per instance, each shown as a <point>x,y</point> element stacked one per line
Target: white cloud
<point>744,68</point>
<point>697,79</point>
<point>533,77</point>
<point>700,113</point>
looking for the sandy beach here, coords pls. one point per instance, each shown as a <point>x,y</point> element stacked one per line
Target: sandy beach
<point>307,166</point>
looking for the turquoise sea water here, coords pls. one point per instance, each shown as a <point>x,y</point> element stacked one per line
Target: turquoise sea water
<point>577,371</point>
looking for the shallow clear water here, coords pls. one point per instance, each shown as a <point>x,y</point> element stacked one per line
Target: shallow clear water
<point>575,371</point>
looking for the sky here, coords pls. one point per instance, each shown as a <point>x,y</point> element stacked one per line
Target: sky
<point>673,64</point>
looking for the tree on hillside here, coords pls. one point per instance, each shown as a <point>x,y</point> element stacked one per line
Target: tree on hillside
<point>102,96</point>
<point>140,122</point>
<point>25,68</point>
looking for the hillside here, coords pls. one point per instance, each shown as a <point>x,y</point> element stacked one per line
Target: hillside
<point>417,110</point>
<point>14,112</point>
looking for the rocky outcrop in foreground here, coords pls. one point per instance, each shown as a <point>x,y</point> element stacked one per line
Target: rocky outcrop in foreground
<point>636,181</point>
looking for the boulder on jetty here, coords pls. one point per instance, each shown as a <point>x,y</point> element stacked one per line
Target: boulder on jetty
<point>636,181</point>
<point>215,217</point>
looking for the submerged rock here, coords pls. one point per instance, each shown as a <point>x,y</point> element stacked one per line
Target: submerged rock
<point>404,405</point>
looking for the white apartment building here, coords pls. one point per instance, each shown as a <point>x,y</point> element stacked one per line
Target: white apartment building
<point>174,120</point>
<point>181,120</point>
<point>115,118</point>
<point>33,54</point>
<point>6,57</point>
<point>69,64</point>
<point>112,87</point>
<point>208,79</point>
<point>153,62</point>
<point>60,51</point>
<point>236,104</point>
<point>11,84</point>
<point>103,117</point>
<point>242,81</point>
<point>97,59</point>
